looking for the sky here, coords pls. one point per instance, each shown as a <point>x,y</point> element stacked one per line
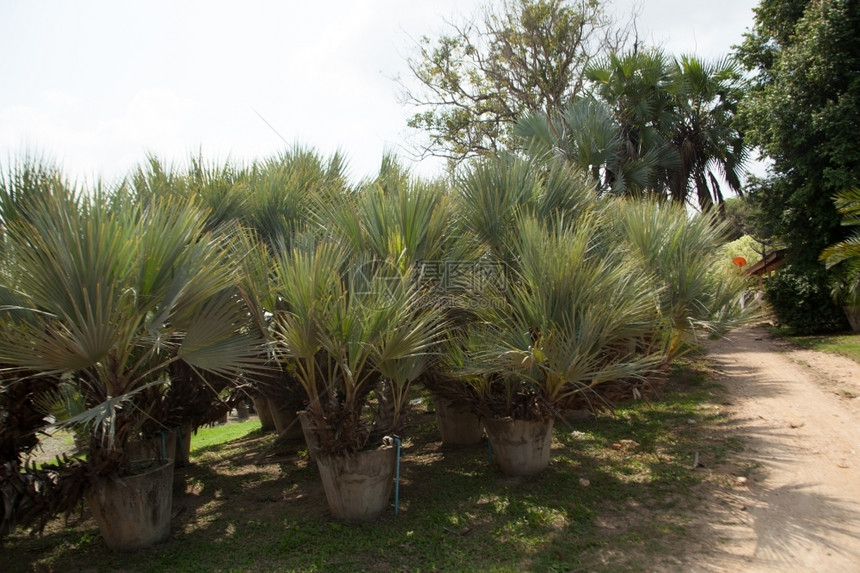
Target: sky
<point>96,85</point>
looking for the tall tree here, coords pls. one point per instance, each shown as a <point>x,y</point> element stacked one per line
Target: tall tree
<point>804,113</point>
<point>705,134</point>
<point>636,87</point>
<point>651,124</point>
<point>518,56</point>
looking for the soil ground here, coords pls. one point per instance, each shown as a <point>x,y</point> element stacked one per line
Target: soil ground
<point>797,412</point>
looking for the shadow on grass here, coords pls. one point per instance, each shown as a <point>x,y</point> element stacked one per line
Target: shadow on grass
<point>620,494</point>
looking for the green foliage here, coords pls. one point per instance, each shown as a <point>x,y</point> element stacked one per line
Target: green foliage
<point>526,56</point>
<point>846,254</point>
<point>803,112</point>
<point>568,322</point>
<point>597,290</point>
<point>209,438</point>
<point>650,124</point>
<point>109,299</point>
<point>403,220</point>
<point>265,516</point>
<point>801,300</point>
<point>697,295</point>
<point>351,325</point>
<point>27,181</point>
<point>707,137</point>
<point>213,271</point>
<point>743,218</point>
<point>635,86</point>
<point>276,197</point>
<point>495,192</point>
<point>746,246</point>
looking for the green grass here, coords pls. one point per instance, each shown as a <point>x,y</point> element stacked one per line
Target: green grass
<point>246,505</point>
<point>207,438</point>
<point>847,345</point>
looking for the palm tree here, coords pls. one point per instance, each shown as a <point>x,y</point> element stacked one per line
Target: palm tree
<point>110,300</point>
<point>274,201</point>
<point>587,135</point>
<point>706,137</point>
<point>495,192</point>
<point>696,296</point>
<point>495,197</point>
<point>568,322</point>
<point>846,254</point>
<point>398,218</point>
<point>650,125</point>
<point>286,191</point>
<point>30,495</point>
<point>637,86</point>
<point>347,330</point>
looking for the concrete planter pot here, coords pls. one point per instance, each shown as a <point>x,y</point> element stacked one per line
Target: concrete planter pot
<point>457,425</point>
<point>521,447</point>
<point>358,486</point>
<point>161,446</point>
<point>183,443</point>
<point>286,422</point>
<point>311,434</point>
<point>261,405</point>
<point>134,512</point>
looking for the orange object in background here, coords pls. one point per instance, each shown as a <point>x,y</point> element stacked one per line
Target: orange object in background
<point>739,261</point>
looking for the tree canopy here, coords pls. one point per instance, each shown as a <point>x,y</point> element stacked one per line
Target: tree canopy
<point>649,123</point>
<point>518,56</point>
<point>804,112</point>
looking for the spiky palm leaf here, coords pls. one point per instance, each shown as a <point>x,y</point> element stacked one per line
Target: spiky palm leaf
<point>496,192</point>
<point>287,189</point>
<point>343,337</point>
<point>114,298</point>
<point>706,135</point>
<point>846,253</point>
<point>569,322</point>
<point>588,136</point>
<point>681,252</point>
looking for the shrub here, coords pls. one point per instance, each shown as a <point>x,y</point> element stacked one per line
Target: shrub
<point>801,300</point>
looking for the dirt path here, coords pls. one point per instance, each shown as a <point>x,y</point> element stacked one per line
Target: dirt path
<point>797,413</point>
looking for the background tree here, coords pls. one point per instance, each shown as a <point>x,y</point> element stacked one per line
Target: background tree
<point>651,124</point>
<point>804,113</point>
<point>521,56</point>
<point>705,134</point>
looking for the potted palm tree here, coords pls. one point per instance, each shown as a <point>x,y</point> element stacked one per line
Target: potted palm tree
<point>696,296</point>
<point>412,224</point>
<point>108,295</point>
<point>567,323</point>
<point>357,335</point>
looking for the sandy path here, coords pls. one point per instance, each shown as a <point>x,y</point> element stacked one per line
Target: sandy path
<point>797,412</point>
